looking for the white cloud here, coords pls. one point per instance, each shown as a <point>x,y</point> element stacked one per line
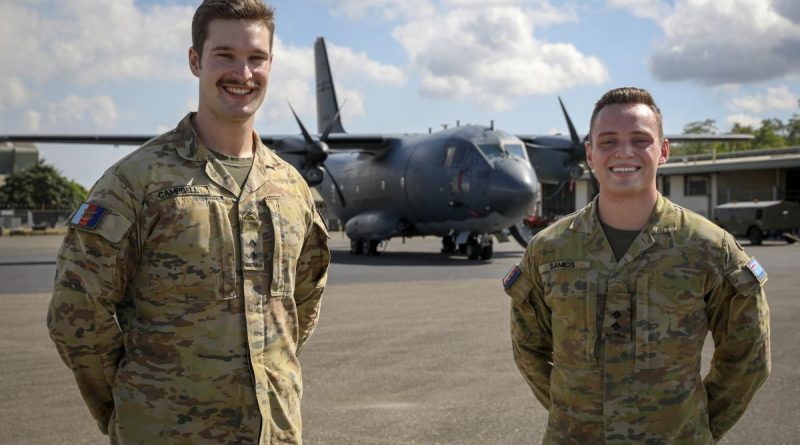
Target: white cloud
<point>651,9</point>
<point>744,120</point>
<point>33,120</point>
<point>489,55</point>
<point>775,99</point>
<point>385,9</point>
<point>94,40</point>
<point>13,94</point>
<point>349,63</point>
<point>719,42</point>
<point>99,110</point>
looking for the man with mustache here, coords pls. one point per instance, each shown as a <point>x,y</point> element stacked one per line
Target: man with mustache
<point>190,280</point>
<point>611,304</point>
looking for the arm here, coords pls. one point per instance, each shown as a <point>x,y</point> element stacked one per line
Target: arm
<point>531,334</point>
<point>739,322</point>
<point>90,281</point>
<point>312,275</point>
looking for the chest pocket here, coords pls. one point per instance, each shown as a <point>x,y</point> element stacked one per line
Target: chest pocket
<point>289,226</point>
<point>188,251</point>
<point>671,321</point>
<point>572,298</point>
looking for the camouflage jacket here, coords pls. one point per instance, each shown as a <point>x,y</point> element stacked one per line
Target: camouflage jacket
<point>613,348</point>
<point>181,302</point>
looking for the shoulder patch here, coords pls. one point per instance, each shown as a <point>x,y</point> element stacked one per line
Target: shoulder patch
<point>511,276</point>
<point>88,216</point>
<point>757,270</point>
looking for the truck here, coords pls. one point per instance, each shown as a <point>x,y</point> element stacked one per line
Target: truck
<point>759,220</point>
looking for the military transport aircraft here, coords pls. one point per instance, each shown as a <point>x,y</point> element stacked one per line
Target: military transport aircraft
<point>463,185</point>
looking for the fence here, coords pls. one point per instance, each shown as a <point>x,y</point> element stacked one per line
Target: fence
<point>12,219</point>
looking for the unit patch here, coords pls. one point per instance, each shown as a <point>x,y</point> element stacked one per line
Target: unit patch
<point>511,276</point>
<point>88,216</point>
<point>758,271</point>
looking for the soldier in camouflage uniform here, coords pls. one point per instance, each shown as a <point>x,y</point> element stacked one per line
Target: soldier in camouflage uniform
<point>611,304</point>
<point>187,284</point>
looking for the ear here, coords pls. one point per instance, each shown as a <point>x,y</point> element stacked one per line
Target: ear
<point>194,62</point>
<point>588,147</point>
<point>664,152</point>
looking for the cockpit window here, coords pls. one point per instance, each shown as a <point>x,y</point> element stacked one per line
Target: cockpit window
<point>491,150</point>
<point>516,150</point>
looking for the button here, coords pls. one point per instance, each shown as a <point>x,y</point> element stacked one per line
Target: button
<point>617,314</point>
<point>252,243</point>
<point>619,287</point>
<point>616,326</point>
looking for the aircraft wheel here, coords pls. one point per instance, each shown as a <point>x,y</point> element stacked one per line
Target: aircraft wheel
<point>356,246</point>
<point>371,247</point>
<point>473,250</point>
<point>448,245</point>
<point>486,252</point>
<point>756,236</point>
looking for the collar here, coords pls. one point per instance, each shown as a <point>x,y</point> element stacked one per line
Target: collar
<point>663,219</point>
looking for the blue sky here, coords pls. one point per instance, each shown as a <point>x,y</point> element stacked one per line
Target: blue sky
<point>111,67</point>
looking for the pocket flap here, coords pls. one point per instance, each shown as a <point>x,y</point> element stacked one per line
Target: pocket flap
<point>103,221</point>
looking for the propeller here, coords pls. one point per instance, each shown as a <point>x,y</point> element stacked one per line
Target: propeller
<point>578,150</point>
<point>316,152</point>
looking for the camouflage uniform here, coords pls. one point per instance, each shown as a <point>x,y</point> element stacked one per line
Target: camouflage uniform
<point>612,349</point>
<point>182,312</point>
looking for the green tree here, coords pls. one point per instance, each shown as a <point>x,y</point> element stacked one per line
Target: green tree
<point>40,187</point>
<point>769,134</point>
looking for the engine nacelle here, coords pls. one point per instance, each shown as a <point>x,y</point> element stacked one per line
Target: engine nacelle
<point>375,225</point>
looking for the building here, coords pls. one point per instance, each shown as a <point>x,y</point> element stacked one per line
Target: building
<point>702,182</point>
<point>16,157</point>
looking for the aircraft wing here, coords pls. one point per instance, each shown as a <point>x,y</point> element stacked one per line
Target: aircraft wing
<point>82,139</point>
<point>371,143</point>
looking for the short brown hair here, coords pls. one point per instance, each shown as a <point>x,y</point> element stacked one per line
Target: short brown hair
<point>628,95</point>
<point>230,10</point>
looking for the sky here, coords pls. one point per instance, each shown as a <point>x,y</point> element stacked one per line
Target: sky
<point>121,66</point>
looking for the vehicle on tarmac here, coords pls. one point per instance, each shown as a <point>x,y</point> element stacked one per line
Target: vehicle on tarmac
<point>759,220</point>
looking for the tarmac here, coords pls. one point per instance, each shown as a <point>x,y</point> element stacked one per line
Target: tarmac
<point>412,348</point>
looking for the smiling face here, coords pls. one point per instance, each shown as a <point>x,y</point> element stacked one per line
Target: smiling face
<point>233,69</point>
<point>625,150</point>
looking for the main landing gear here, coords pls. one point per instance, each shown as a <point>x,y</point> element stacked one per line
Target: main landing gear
<point>364,247</point>
<point>475,247</point>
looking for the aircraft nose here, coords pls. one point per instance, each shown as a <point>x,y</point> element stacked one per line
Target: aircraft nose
<point>513,188</point>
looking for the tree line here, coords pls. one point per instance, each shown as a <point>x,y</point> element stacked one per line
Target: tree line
<point>772,133</point>
<point>41,187</point>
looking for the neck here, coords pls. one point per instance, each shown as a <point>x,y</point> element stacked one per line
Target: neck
<point>225,137</point>
<point>626,212</point>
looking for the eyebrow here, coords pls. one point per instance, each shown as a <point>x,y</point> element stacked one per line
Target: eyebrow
<point>229,48</point>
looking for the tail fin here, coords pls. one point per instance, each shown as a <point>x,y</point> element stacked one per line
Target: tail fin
<point>327,105</point>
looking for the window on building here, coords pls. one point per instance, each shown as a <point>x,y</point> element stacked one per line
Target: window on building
<point>696,185</point>
<point>665,181</point>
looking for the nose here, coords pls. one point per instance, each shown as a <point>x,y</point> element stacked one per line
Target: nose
<point>513,188</point>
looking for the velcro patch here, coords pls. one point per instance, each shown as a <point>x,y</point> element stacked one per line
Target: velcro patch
<point>88,216</point>
<point>511,276</point>
<point>758,271</point>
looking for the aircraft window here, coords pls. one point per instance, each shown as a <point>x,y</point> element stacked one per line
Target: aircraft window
<point>491,150</point>
<point>448,159</point>
<point>516,150</point>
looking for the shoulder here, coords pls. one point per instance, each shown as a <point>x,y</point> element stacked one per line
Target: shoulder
<point>693,227</point>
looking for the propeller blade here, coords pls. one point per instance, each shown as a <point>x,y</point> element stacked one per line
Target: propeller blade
<point>328,130</point>
<point>306,135</point>
<point>572,133</point>
<point>335,185</point>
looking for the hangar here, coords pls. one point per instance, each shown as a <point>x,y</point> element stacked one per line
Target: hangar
<point>701,182</point>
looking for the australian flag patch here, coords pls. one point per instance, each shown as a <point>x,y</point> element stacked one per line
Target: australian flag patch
<point>758,271</point>
<point>88,216</point>
<point>511,276</point>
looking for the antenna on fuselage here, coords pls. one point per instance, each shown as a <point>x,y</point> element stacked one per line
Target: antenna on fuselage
<point>491,124</point>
